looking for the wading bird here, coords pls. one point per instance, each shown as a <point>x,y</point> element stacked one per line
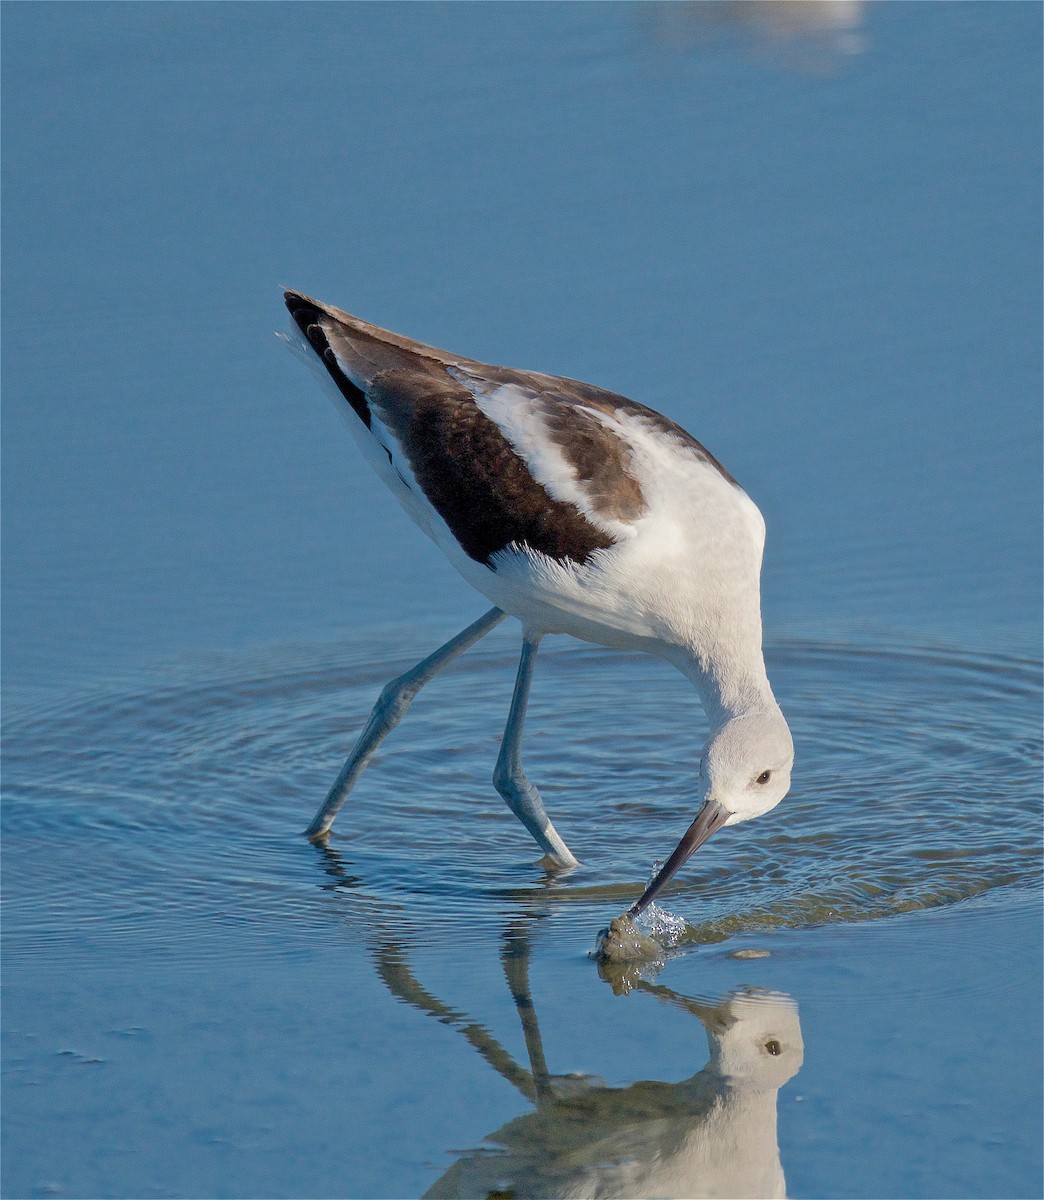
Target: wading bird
<point>576,511</point>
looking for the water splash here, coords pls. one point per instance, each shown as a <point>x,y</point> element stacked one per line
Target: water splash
<point>662,926</point>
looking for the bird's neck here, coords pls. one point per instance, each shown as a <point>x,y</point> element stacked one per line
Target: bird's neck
<point>730,684</point>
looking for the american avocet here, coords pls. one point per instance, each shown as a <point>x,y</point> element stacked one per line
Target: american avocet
<point>576,511</point>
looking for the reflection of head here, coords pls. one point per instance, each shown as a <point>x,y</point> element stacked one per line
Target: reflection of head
<point>755,1039</point>
<point>713,1134</point>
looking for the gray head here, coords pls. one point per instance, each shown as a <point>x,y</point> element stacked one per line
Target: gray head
<point>744,772</point>
<point>746,764</point>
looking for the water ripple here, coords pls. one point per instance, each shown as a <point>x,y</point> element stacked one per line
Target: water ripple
<point>164,816</point>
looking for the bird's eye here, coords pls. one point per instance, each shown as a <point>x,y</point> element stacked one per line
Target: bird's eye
<point>764,777</point>
<point>773,1047</point>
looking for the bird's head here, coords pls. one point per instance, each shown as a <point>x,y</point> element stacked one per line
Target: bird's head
<point>744,772</point>
<point>746,765</point>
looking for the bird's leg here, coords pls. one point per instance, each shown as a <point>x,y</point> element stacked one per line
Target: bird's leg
<point>509,779</point>
<point>394,971</point>
<point>514,957</point>
<point>389,710</point>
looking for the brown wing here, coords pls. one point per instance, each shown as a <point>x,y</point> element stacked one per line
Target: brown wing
<point>457,457</point>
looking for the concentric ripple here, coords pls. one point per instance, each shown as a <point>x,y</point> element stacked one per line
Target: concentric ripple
<point>156,817</point>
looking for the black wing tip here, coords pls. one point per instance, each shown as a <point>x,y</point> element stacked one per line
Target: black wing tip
<point>298,303</point>
<point>305,314</point>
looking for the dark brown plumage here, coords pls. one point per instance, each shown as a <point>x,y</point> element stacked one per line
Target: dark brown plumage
<point>459,458</point>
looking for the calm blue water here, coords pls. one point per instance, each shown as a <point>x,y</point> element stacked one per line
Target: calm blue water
<point>816,247</point>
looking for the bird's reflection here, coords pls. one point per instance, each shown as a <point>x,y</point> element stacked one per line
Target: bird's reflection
<point>713,1134</point>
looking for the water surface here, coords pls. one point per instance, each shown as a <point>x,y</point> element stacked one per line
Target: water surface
<point>815,242</point>
<point>162,850</point>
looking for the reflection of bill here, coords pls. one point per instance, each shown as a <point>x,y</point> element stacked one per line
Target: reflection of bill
<point>713,1134</point>
<point>804,31</point>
